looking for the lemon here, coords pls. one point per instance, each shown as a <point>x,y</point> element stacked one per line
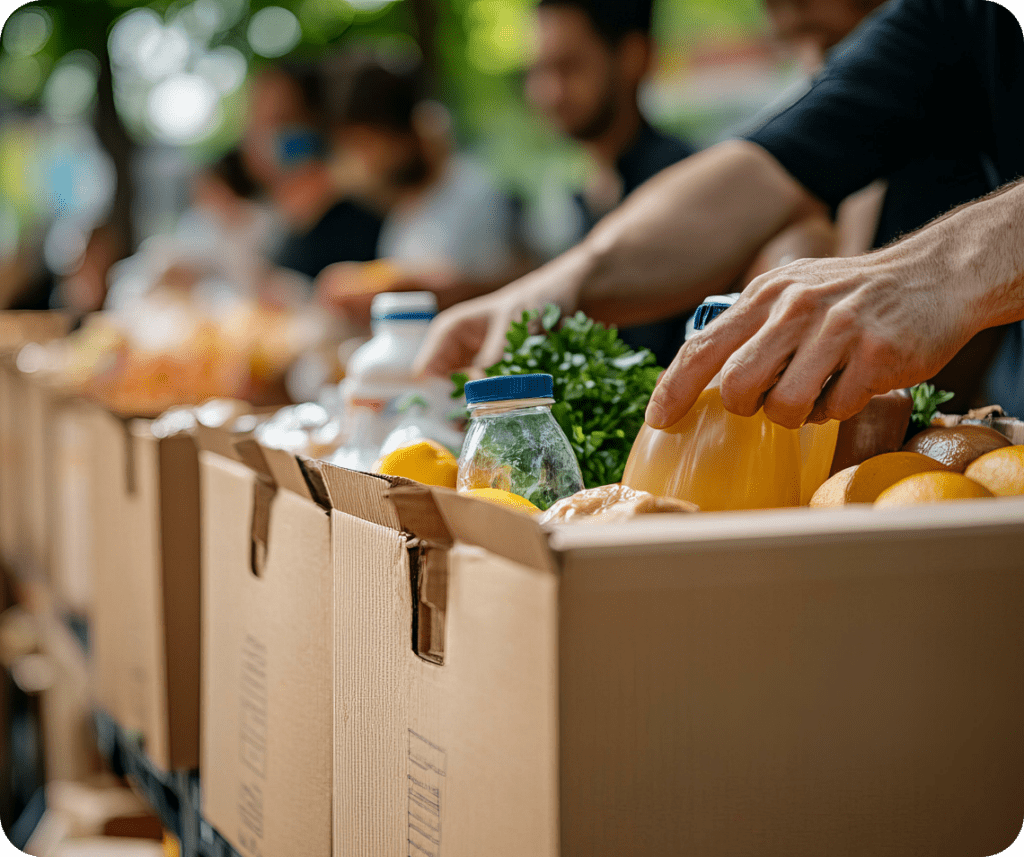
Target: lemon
<point>424,461</point>
<point>932,487</point>
<point>863,482</point>
<point>504,498</point>
<point>1001,471</point>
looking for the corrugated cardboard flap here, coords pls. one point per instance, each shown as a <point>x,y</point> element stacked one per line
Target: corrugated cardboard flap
<point>363,495</point>
<point>510,534</point>
<point>219,441</point>
<point>419,515</point>
<point>281,468</point>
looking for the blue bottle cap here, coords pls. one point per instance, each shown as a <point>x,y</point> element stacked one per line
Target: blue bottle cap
<point>505,388</point>
<point>711,309</point>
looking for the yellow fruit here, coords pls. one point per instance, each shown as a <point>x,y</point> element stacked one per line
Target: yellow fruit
<point>933,487</point>
<point>424,461</point>
<point>1001,471</point>
<point>504,498</point>
<point>863,482</point>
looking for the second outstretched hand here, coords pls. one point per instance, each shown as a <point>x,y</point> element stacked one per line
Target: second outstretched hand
<point>473,333</point>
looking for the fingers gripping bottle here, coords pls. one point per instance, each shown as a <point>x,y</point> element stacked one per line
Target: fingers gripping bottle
<point>514,443</point>
<point>722,461</point>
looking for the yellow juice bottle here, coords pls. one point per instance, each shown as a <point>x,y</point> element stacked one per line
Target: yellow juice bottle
<point>721,461</point>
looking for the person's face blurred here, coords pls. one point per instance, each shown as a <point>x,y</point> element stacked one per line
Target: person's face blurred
<point>813,27</point>
<point>275,103</point>
<point>578,80</point>
<point>386,158</point>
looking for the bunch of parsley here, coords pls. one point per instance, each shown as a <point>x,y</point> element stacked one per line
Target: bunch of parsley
<point>601,386</point>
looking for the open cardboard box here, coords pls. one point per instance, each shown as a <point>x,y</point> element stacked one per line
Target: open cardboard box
<point>267,649</point>
<point>144,489</point>
<point>797,682</point>
<point>144,620</point>
<point>24,438</point>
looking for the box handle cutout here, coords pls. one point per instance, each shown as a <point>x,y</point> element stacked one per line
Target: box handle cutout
<point>428,568</point>
<point>129,459</point>
<point>262,498</point>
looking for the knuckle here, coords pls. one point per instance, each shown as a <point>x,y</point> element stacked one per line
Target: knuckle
<point>797,302</point>
<point>785,409</point>
<point>840,318</point>
<point>737,393</point>
<point>879,352</point>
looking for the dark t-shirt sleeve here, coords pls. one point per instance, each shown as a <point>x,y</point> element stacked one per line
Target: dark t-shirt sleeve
<point>900,86</point>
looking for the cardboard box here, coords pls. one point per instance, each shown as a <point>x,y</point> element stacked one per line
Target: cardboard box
<point>144,491</point>
<point>68,731</point>
<point>267,652</point>
<point>23,437</point>
<point>71,510</point>
<point>776,683</point>
<point>10,468</point>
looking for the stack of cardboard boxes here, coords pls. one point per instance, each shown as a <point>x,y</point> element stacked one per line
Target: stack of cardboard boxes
<point>390,669</point>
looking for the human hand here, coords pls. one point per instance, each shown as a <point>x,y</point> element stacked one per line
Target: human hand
<point>473,333</point>
<point>816,339</point>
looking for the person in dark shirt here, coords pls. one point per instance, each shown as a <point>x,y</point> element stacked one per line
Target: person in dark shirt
<point>284,149</point>
<point>817,338</point>
<point>592,57</point>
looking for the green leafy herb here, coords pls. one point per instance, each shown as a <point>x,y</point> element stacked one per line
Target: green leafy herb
<point>926,402</point>
<point>601,386</point>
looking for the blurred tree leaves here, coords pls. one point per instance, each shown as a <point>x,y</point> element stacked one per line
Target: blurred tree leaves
<point>477,51</point>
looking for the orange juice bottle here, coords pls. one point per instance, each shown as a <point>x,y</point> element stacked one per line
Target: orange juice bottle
<point>721,461</point>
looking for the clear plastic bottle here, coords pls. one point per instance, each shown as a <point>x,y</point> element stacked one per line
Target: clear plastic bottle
<point>722,461</point>
<point>379,378</point>
<point>514,443</point>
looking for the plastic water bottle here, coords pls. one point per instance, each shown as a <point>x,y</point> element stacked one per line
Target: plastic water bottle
<point>514,443</point>
<point>379,379</point>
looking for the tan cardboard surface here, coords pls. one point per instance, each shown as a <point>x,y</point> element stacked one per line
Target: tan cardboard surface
<point>111,623</point>
<point>35,425</point>
<point>69,743</point>
<point>10,464</point>
<point>791,683</point>
<point>267,648</point>
<point>146,574</point>
<point>180,509</point>
<point>71,513</point>
<point>799,696</point>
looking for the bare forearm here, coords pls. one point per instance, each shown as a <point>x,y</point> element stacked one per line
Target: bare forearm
<point>812,238</point>
<point>981,244</point>
<point>687,233</point>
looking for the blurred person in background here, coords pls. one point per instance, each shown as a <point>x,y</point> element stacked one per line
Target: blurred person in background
<point>222,244</point>
<point>284,148</point>
<point>924,78</point>
<point>591,58</point>
<point>446,227</point>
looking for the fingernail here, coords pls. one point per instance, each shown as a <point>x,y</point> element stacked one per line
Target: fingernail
<point>655,415</point>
